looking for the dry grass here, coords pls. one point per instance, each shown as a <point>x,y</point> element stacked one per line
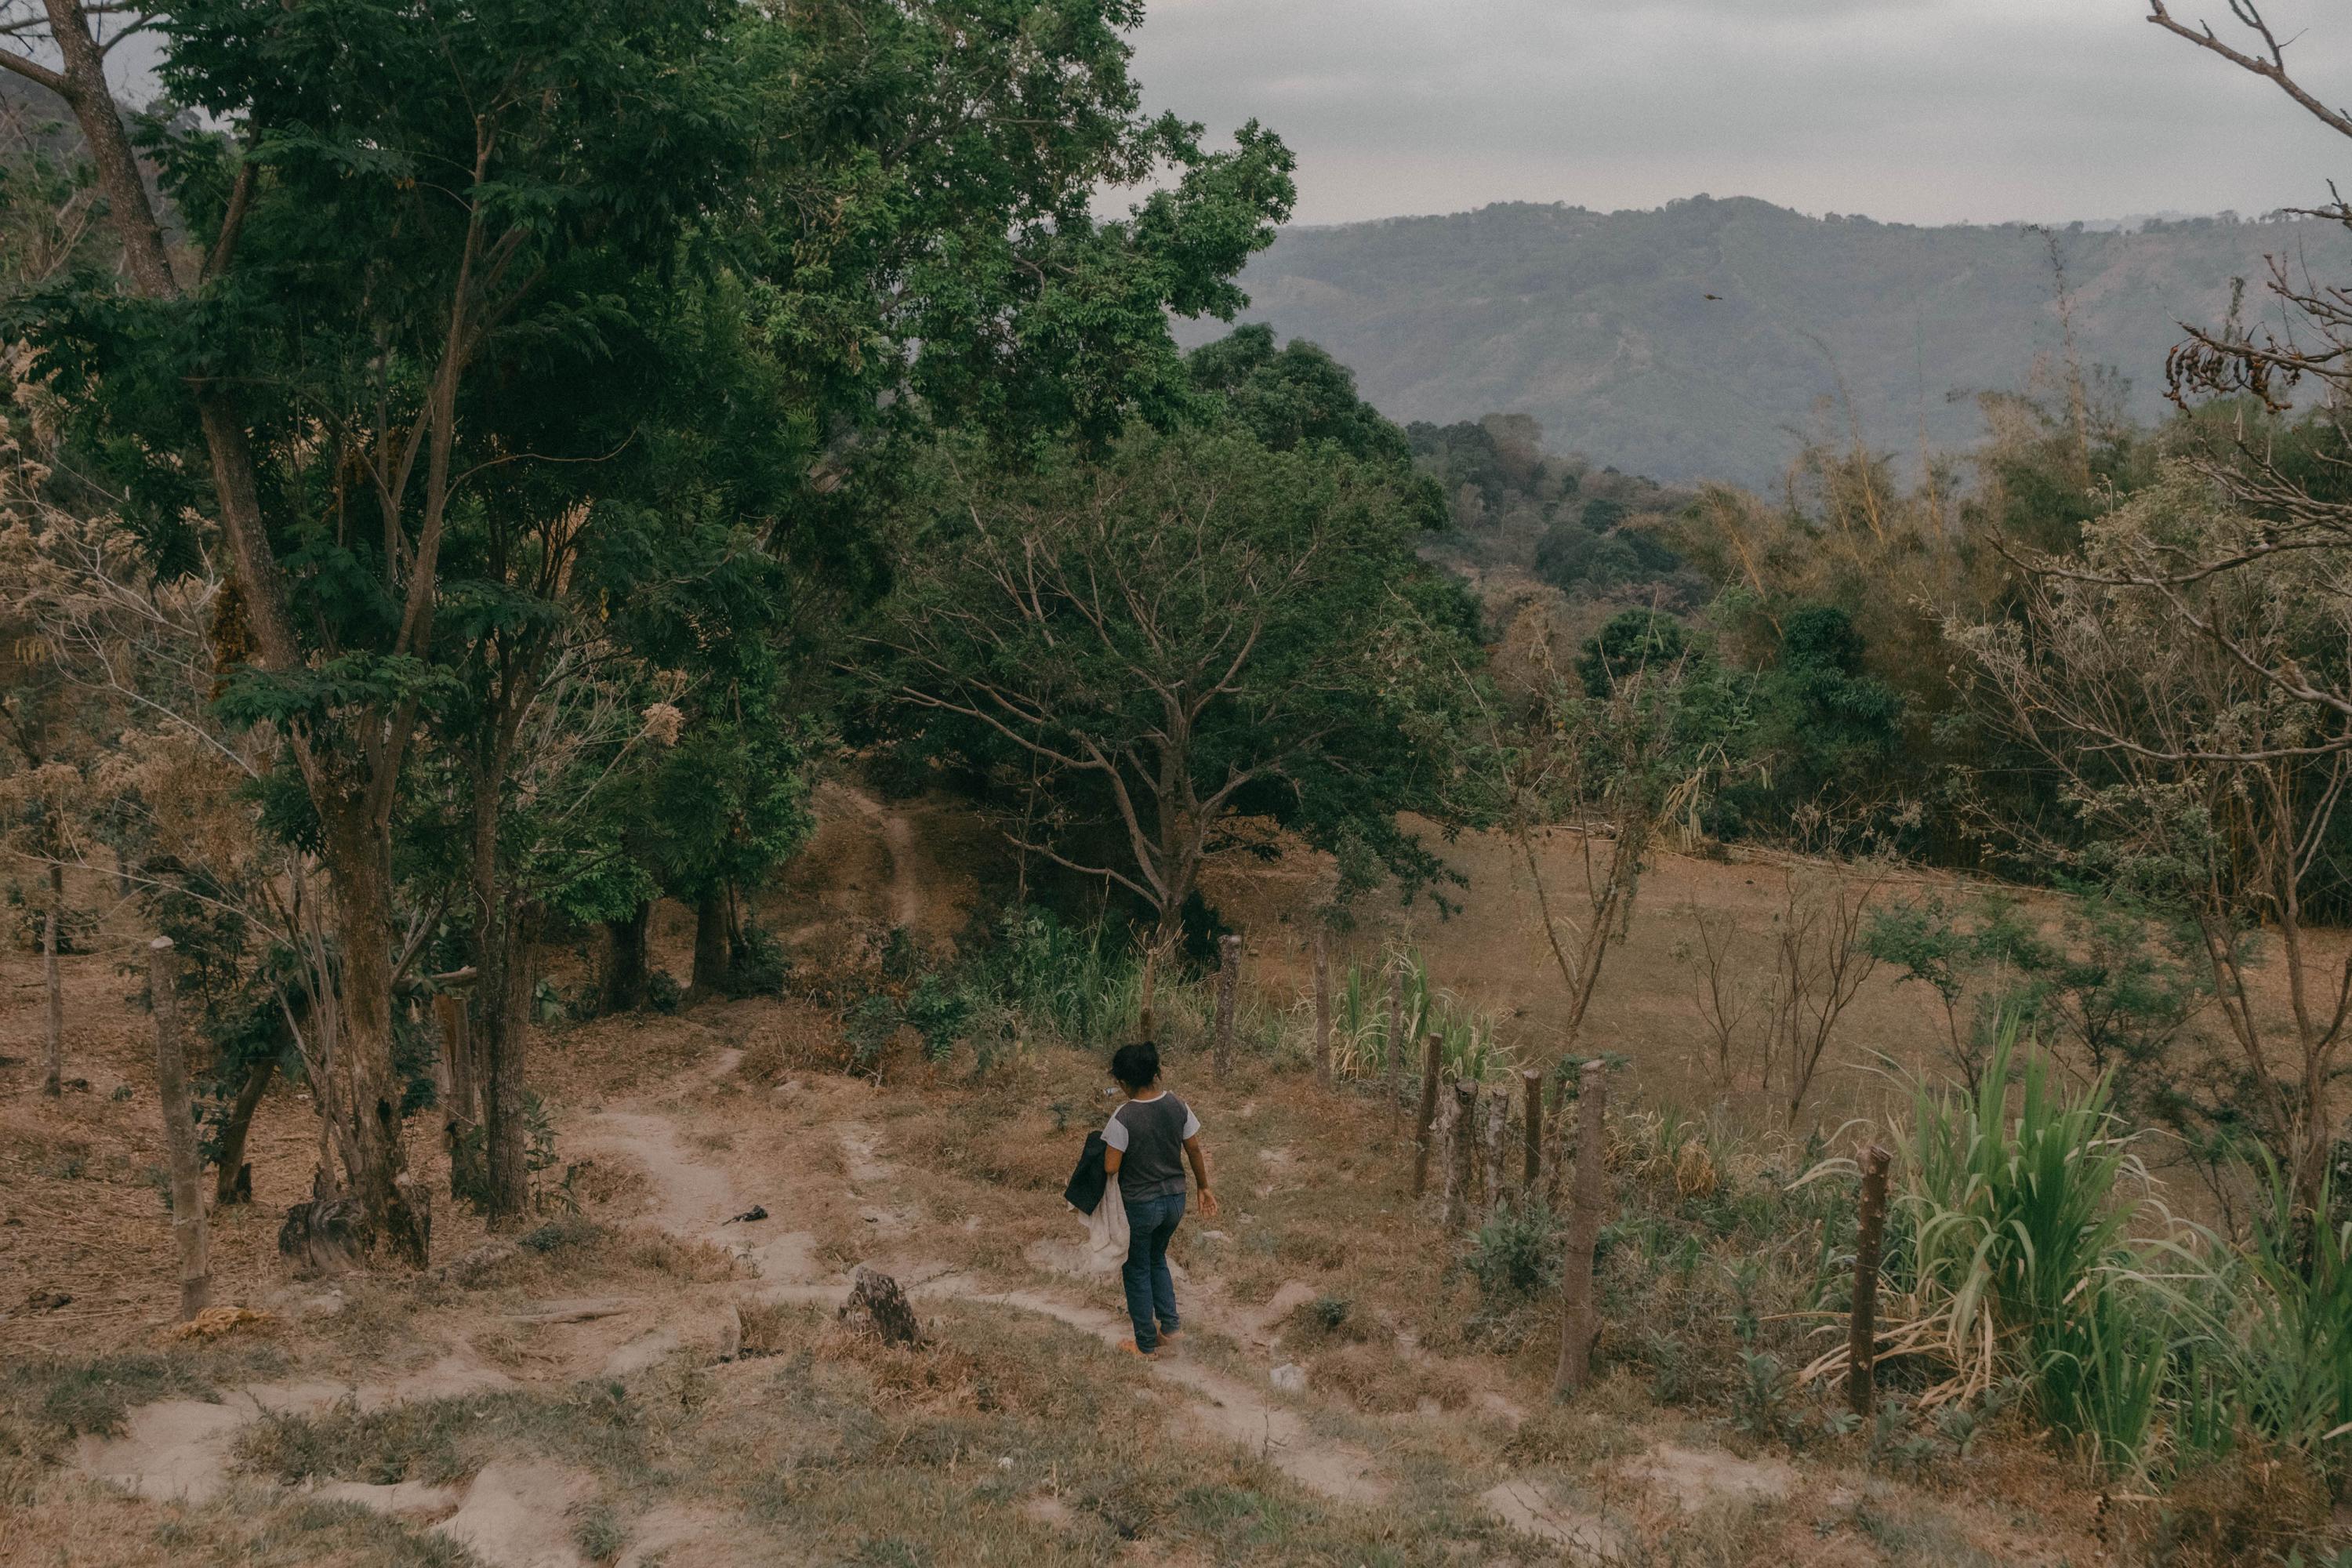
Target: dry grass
<point>1379,1381</point>
<point>795,1037</point>
<point>1009,1438</point>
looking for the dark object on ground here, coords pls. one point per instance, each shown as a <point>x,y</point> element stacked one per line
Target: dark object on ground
<point>877,1306</point>
<point>754,1212</point>
<point>39,1300</point>
<point>1088,1182</point>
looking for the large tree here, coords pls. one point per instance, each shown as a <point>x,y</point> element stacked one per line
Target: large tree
<point>345,321</point>
<point>1189,626</point>
<point>2193,782</point>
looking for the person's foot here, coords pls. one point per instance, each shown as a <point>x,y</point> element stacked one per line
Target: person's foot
<point>1170,1336</point>
<point>1130,1348</point>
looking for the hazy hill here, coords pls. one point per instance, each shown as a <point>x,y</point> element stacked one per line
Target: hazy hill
<point>1599,325</point>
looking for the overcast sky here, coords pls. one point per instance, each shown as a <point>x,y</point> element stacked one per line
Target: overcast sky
<point>1913,111</point>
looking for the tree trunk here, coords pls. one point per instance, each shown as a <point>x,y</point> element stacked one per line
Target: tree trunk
<point>501,997</point>
<point>709,947</point>
<point>375,1157</point>
<point>179,1133</point>
<point>504,1001</point>
<point>54,1085</point>
<point>234,1184</point>
<point>1581,1317</point>
<point>627,971</point>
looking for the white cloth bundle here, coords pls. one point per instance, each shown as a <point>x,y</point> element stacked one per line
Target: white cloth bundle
<point>1107,1234</point>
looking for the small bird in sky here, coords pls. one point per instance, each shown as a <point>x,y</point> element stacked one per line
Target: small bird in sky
<point>1711,295</point>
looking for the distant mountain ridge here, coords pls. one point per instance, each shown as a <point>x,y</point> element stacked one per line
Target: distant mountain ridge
<point>1601,326</point>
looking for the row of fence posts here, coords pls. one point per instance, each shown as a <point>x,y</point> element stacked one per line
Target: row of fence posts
<point>1464,1129</point>
<point>1580,1317</point>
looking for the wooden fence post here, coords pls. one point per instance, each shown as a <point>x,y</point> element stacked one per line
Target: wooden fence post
<point>1498,1121</point>
<point>1861,1333</point>
<point>1432,1060</point>
<point>1143,1020</point>
<point>53,1078</point>
<point>179,1133</point>
<point>1531,1087</point>
<point>1322,1010</point>
<point>1397,1045</point>
<point>1580,1320</point>
<point>1229,980</point>
<point>1464,1127</point>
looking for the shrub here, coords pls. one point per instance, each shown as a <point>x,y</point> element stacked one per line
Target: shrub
<point>469,1155</point>
<point>1515,1254</point>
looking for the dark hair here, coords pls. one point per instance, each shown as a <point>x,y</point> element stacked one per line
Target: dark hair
<point>1136,1066</point>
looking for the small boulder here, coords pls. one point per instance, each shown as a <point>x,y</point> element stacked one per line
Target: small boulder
<point>1290,1377</point>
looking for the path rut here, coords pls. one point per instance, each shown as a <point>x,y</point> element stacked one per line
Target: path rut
<point>512,1515</point>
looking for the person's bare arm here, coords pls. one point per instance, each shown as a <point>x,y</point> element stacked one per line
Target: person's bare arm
<point>1200,1159</point>
<point>1111,1158</point>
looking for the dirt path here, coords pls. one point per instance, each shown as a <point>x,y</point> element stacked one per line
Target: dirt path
<point>513,1514</point>
<point>689,1198</point>
<point>898,839</point>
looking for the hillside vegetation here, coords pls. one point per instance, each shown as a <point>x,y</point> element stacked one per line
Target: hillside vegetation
<point>1600,325</point>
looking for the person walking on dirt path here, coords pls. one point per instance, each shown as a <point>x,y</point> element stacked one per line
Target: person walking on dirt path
<point>1149,1137</point>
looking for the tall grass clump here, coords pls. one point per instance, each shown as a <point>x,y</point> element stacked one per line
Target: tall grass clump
<point>2020,1260</point>
<point>1084,985</point>
<point>1362,1045</point>
<point>2273,1356</point>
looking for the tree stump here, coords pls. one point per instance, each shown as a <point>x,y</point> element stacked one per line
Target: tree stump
<point>1580,1317</point>
<point>877,1306</point>
<point>1229,981</point>
<point>188,1228</point>
<point>1861,1329</point>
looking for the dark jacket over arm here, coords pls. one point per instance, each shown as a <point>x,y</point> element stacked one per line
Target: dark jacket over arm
<point>1088,1182</point>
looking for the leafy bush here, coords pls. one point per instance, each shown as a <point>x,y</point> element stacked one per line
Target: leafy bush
<point>30,918</point>
<point>1517,1254</point>
<point>940,1012</point>
<point>756,962</point>
<point>1086,986</point>
<point>469,1155</point>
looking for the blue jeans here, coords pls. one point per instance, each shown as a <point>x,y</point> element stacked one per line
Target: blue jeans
<point>1151,1289</point>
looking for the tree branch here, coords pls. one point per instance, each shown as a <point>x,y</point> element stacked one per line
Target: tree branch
<point>2272,69</point>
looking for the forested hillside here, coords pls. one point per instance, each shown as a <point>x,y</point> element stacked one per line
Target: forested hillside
<point>1696,340</point>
